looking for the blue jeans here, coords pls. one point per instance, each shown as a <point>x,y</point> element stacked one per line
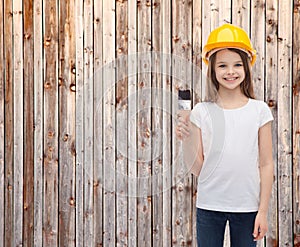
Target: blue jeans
<point>211,228</point>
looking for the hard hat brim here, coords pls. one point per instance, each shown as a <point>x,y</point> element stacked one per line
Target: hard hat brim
<point>210,49</point>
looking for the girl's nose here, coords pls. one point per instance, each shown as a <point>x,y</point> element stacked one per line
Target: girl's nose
<point>230,70</point>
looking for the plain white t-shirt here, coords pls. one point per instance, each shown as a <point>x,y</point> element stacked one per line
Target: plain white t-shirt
<point>229,180</point>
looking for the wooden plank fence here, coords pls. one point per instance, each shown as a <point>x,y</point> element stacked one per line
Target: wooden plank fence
<point>88,154</point>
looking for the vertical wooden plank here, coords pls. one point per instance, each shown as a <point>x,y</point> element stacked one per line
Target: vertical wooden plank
<point>28,124</point>
<point>197,51</point>
<point>157,134</point>
<point>88,122</point>
<point>50,216</point>
<point>109,203</point>
<point>98,123</point>
<point>18,121</point>
<point>182,180</point>
<point>121,123</point>
<point>224,8</point>
<point>258,41</point>
<point>205,30</point>
<point>167,117</point>
<point>132,123</point>
<point>2,119</point>
<point>296,121</point>
<point>38,122</point>
<point>8,124</point>
<point>241,14</point>
<point>284,124</point>
<point>214,13</point>
<point>79,229</point>
<point>271,79</point>
<point>144,200</point>
<point>220,12</point>
<point>66,73</point>
<point>196,91</point>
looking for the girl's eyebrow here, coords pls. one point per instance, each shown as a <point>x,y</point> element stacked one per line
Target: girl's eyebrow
<point>239,61</point>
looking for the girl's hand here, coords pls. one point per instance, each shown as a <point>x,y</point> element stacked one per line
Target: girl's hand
<point>183,124</point>
<point>260,226</point>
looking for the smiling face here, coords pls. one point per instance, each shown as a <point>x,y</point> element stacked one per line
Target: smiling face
<point>239,79</point>
<point>229,70</point>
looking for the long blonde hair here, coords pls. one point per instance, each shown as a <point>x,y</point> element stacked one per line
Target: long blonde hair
<point>212,85</point>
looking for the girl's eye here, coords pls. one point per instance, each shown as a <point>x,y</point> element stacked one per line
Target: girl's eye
<point>239,65</point>
<point>222,66</point>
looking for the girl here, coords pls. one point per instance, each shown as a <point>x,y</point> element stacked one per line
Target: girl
<point>227,142</point>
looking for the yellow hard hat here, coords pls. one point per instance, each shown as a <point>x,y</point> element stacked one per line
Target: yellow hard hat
<point>228,36</point>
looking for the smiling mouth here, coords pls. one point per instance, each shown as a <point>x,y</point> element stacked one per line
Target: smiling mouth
<point>231,79</point>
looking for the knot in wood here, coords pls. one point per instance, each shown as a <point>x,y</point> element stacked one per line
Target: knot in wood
<point>73,87</point>
<point>66,137</point>
<point>156,4</point>
<point>73,69</point>
<point>47,42</point>
<point>27,36</point>
<point>271,103</point>
<point>72,201</point>
<point>176,38</point>
<point>47,85</point>
<point>50,134</point>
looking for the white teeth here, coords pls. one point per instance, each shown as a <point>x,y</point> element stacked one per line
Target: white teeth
<point>230,79</point>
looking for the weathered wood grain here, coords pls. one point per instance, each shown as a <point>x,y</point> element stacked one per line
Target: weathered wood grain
<point>50,196</point>
<point>18,90</point>
<point>98,123</point>
<point>285,218</point>
<point>121,123</point>
<point>205,31</point>
<point>28,193</point>
<point>225,14</point>
<point>79,128</point>
<point>144,164</point>
<point>38,122</point>
<point>109,119</point>
<point>157,134</point>
<point>258,41</point>
<point>88,124</point>
<point>241,14</point>
<point>2,119</point>
<point>66,75</point>
<point>271,88</point>
<point>296,122</point>
<point>166,12</point>
<point>132,123</point>
<point>197,51</point>
<point>181,178</point>
<point>8,122</point>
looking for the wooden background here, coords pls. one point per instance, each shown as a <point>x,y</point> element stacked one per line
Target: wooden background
<point>87,149</point>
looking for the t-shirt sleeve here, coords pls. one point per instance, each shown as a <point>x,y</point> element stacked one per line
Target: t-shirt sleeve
<point>195,116</point>
<point>265,115</point>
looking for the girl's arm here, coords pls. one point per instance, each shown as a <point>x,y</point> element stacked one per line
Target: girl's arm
<point>190,135</point>
<point>266,167</point>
